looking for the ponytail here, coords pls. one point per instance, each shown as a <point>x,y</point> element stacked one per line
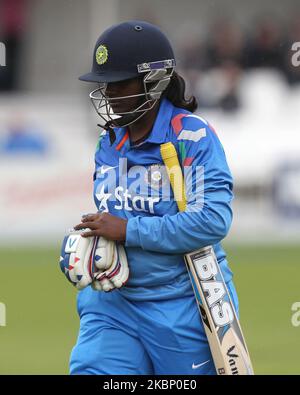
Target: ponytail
<point>175,92</point>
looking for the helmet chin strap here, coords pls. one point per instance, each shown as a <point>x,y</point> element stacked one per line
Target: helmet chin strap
<point>123,121</point>
<point>112,135</point>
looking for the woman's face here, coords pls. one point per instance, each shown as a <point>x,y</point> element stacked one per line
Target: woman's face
<point>125,88</point>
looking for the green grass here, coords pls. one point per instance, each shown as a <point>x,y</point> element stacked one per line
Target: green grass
<point>42,322</point>
<point>41,313</point>
<point>267,281</point>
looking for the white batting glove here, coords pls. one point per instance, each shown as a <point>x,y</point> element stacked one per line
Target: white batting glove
<point>93,261</point>
<point>116,275</point>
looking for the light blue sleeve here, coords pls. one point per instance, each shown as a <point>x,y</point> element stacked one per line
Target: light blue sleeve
<point>208,216</point>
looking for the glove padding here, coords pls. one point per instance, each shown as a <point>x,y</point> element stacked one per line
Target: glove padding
<point>93,260</point>
<point>116,275</point>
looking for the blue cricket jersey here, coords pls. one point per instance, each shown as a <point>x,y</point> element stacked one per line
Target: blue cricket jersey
<point>131,182</point>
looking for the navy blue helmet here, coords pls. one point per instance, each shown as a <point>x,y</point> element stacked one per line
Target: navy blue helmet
<point>122,50</point>
<point>133,49</point>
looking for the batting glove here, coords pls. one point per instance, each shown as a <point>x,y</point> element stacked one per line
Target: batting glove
<point>93,260</point>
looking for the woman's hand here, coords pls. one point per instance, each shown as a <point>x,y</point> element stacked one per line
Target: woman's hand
<point>103,224</point>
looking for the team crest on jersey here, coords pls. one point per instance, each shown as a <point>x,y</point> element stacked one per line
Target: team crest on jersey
<point>156,176</point>
<point>101,54</point>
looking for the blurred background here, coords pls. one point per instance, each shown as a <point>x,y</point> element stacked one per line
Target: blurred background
<point>236,57</point>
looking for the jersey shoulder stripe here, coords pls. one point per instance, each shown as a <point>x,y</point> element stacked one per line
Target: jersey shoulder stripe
<point>187,126</point>
<point>193,135</point>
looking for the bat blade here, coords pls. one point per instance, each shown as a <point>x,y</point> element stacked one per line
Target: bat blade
<point>222,327</point>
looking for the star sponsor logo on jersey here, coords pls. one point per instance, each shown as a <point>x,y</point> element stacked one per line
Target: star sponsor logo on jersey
<point>103,198</point>
<point>142,187</point>
<point>122,199</point>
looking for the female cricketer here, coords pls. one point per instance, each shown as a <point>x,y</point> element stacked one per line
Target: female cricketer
<point>151,325</point>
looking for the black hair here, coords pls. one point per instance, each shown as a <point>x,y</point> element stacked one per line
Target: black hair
<point>175,92</point>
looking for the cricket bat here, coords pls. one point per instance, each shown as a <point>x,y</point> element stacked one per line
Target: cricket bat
<point>222,327</point>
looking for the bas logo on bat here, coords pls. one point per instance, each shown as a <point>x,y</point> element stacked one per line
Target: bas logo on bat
<point>207,271</point>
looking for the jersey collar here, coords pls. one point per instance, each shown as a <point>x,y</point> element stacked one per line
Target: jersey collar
<point>162,122</point>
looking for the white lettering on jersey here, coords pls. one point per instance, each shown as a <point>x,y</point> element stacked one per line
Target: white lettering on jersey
<point>124,200</point>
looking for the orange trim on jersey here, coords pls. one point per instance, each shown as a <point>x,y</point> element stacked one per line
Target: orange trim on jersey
<point>188,161</point>
<point>123,141</point>
<point>177,123</point>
